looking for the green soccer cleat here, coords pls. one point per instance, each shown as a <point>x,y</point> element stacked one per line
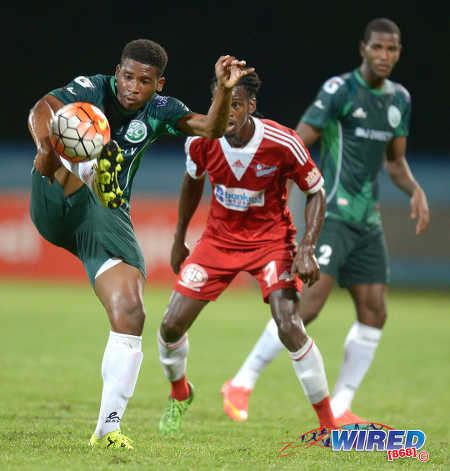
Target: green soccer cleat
<point>106,182</point>
<point>172,420</point>
<point>115,439</point>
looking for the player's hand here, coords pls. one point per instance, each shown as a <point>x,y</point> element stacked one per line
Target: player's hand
<point>229,71</point>
<point>305,265</point>
<point>47,162</point>
<point>419,210</point>
<point>180,251</point>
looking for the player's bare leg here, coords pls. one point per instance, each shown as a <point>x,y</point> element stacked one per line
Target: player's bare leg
<point>359,348</point>
<point>305,355</point>
<point>173,347</point>
<point>120,290</point>
<point>236,391</point>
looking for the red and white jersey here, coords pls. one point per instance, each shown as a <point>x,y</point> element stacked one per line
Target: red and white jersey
<point>249,202</point>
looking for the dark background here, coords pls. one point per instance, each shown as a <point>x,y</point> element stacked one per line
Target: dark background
<point>294,46</point>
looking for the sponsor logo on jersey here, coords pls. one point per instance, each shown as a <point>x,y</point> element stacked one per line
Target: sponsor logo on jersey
<point>394,116</point>
<point>263,170</point>
<point>312,176</point>
<point>331,85</point>
<point>136,132</point>
<point>238,164</point>
<point>162,100</point>
<point>359,113</point>
<point>238,199</point>
<point>373,134</point>
<point>342,201</point>
<point>319,104</point>
<point>193,277</point>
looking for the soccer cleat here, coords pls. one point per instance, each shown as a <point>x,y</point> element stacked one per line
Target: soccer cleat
<point>349,418</point>
<point>115,439</point>
<point>106,182</point>
<point>172,419</point>
<point>235,401</point>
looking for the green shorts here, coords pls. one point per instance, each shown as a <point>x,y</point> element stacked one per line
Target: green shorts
<point>352,255</point>
<point>81,225</point>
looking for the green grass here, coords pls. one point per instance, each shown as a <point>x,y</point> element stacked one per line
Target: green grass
<point>52,342</point>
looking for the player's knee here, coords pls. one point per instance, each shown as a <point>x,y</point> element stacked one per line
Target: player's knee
<point>171,330</point>
<point>373,313</point>
<point>290,329</point>
<point>129,315</point>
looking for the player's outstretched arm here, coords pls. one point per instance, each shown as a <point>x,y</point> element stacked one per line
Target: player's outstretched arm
<point>46,161</point>
<point>398,169</point>
<point>190,196</point>
<point>305,263</point>
<point>229,71</point>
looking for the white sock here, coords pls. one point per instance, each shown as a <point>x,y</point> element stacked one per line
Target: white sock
<point>120,369</point>
<point>308,366</point>
<point>173,357</point>
<point>359,350</point>
<point>83,170</point>
<point>265,350</point>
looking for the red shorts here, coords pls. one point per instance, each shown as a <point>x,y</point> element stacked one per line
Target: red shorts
<point>209,270</point>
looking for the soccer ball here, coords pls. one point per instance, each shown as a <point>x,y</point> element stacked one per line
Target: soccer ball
<point>78,131</point>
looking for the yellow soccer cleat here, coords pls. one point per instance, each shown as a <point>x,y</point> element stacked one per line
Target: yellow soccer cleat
<point>115,439</point>
<point>106,183</point>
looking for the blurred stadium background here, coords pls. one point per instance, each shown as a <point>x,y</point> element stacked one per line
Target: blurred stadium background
<point>293,47</point>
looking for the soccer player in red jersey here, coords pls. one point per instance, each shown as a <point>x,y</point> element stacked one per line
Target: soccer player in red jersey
<point>250,229</point>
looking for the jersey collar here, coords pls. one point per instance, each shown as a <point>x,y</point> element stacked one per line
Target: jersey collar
<point>366,85</point>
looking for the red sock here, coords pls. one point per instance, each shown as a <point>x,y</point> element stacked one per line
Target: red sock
<point>323,411</point>
<point>180,389</point>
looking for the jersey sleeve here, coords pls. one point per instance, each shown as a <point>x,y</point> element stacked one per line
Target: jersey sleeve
<point>404,100</point>
<point>173,110</point>
<point>195,159</point>
<point>79,89</point>
<point>301,168</point>
<point>328,103</point>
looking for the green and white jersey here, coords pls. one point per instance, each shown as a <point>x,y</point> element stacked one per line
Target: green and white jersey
<point>134,131</point>
<point>357,124</point>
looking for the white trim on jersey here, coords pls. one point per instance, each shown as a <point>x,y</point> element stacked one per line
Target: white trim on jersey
<point>339,164</point>
<point>285,139</point>
<point>191,166</point>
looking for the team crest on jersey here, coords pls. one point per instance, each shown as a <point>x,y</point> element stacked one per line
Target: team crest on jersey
<point>394,116</point>
<point>136,132</point>
<point>193,276</point>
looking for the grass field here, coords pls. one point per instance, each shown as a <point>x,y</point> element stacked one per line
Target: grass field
<point>53,337</point>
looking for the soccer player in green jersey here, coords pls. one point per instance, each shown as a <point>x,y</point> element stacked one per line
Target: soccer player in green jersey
<point>71,204</point>
<point>362,120</point>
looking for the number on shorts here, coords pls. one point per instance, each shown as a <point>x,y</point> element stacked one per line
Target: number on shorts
<point>270,273</point>
<point>325,254</point>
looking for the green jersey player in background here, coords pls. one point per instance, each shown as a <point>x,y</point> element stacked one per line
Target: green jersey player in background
<point>72,204</point>
<point>362,120</point>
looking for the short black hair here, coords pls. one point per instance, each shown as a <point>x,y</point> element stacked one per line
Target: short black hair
<point>381,25</point>
<point>147,52</point>
<point>251,83</point>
